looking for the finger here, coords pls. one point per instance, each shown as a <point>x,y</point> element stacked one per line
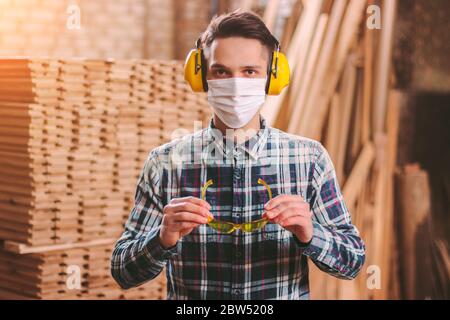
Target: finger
<point>194,200</point>
<point>291,213</point>
<point>285,215</point>
<point>282,198</point>
<point>191,207</point>
<point>276,211</point>
<point>295,220</point>
<point>189,217</point>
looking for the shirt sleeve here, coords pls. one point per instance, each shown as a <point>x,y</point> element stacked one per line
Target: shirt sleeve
<point>336,246</point>
<point>138,255</point>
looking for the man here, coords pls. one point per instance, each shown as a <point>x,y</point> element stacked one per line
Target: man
<point>272,200</point>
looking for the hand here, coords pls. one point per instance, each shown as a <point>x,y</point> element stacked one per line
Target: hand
<point>292,213</point>
<point>181,216</point>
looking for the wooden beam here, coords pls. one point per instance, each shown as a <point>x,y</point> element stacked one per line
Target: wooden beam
<point>368,81</point>
<point>359,174</point>
<point>270,14</point>
<point>348,94</point>
<point>413,211</point>
<point>383,65</point>
<point>322,64</point>
<point>291,23</point>
<point>332,138</point>
<point>355,137</point>
<point>298,48</point>
<point>302,78</point>
<point>386,247</point>
<point>318,101</point>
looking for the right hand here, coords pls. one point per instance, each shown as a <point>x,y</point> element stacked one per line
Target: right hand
<point>181,216</point>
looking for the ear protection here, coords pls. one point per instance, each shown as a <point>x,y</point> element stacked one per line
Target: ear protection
<point>195,68</point>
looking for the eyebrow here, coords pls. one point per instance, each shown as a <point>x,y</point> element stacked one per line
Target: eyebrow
<point>218,65</point>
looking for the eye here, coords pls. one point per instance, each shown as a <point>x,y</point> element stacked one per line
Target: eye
<point>251,72</point>
<point>219,72</point>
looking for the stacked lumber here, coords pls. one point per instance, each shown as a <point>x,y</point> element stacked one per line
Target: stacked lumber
<point>340,94</point>
<point>81,273</point>
<point>423,252</point>
<point>74,137</point>
<point>49,28</point>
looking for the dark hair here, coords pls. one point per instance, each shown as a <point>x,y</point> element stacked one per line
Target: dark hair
<point>239,23</point>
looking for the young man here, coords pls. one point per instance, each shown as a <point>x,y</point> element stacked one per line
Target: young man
<point>272,200</point>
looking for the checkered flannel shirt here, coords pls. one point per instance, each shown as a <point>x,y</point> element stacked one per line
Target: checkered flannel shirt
<point>270,263</point>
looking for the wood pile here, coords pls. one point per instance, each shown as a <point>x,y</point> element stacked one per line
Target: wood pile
<point>423,253</point>
<point>74,137</point>
<point>81,273</point>
<point>341,95</point>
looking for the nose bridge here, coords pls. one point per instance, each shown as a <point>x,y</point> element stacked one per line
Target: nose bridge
<point>235,72</point>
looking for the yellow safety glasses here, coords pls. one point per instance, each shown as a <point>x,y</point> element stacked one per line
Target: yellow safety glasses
<point>229,227</point>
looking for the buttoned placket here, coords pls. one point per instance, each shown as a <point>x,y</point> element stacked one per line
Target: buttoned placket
<point>238,202</point>
<point>239,155</point>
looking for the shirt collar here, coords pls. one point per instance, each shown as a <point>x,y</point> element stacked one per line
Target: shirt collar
<point>252,146</point>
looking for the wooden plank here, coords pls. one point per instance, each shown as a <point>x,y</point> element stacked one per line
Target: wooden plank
<point>413,211</point>
<point>298,48</point>
<point>322,62</point>
<point>270,14</point>
<point>387,255</point>
<point>291,23</point>
<point>368,81</point>
<point>332,137</point>
<point>359,174</point>
<point>348,95</point>
<point>356,143</point>
<point>21,248</point>
<point>384,54</point>
<point>302,79</point>
<point>318,100</point>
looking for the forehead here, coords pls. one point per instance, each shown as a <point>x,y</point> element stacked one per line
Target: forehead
<point>234,51</point>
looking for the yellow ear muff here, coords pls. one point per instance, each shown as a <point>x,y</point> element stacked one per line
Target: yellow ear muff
<point>194,71</point>
<point>279,74</point>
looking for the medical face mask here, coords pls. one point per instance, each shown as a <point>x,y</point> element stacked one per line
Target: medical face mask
<point>236,100</point>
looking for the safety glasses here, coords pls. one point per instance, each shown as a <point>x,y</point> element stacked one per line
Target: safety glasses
<point>229,227</point>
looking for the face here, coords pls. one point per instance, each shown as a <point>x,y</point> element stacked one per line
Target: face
<point>236,57</point>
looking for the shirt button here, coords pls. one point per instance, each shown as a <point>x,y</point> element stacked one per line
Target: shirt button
<point>237,292</point>
<point>238,254</point>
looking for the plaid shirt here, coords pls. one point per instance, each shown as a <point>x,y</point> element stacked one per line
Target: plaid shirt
<point>270,263</point>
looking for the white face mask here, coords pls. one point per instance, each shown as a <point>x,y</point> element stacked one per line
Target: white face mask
<point>236,100</point>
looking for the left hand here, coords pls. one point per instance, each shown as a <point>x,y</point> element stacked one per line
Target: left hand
<point>292,213</point>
